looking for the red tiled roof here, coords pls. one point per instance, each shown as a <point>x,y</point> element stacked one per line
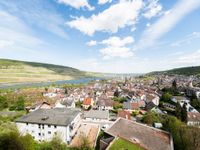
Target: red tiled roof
<point>87,101</point>
<point>135,105</point>
<point>124,114</point>
<point>193,116</point>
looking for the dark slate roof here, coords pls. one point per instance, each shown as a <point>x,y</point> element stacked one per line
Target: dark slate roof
<point>99,114</point>
<point>56,116</point>
<point>145,136</point>
<point>150,106</point>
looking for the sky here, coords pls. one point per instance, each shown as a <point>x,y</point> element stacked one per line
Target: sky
<point>110,36</point>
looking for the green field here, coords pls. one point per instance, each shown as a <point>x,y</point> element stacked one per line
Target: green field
<point>13,71</point>
<point>121,144</point>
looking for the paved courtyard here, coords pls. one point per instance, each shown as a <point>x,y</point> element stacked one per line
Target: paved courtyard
<point>90,131</point>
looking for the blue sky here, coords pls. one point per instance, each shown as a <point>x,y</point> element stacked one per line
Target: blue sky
<point>116,36</point>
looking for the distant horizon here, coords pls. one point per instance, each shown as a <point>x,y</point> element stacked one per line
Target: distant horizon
<point>108,36</point>
<point>97,72</point>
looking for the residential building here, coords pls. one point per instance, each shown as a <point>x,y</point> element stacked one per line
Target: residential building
<point>141,135</point>
<point>44,124</point>
<point>96,115</point>
<point>193,119</point>
<point>124,114</point>
<point>40,105</point>
<point>105,104</point>
<point>87,102</point>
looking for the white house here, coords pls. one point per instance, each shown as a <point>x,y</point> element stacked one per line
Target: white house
<point>193,119</point>
<point>96,115</point>
<point>44,124</point>
<point>50,95</point>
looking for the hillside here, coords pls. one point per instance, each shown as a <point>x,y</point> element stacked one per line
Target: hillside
<point>13,71</point>
<point>194,70</point>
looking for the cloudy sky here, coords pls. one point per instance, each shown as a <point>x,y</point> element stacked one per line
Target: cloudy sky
<point>117,36</point>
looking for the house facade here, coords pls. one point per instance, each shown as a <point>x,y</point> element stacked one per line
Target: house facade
<point>96,115</point>
<point>193,119</point>
<point>44,124</point>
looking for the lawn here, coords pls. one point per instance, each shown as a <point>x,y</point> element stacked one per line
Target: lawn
<point>121,144</point>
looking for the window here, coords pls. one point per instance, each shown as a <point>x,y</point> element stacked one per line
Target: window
<point>39,134</point>
<point>49,132</point>
<point>49,126</point>
<point>42,134</point>
<point>26,123</point>
<point>39,126</point>
<point>55,127</point>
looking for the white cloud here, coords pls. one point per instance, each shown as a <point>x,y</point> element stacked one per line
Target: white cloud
<point>187,40</point>
<point>190,59</point>
<point>101,2</point>
<point>111,19</point>
<point>153,9</point>
<point>91,43</point>
<point>110,52</point>
<point>77,4</point>
<point>116,47</point>
<point>167,22</point>
<point>148,24</point>
<point>118,42</point>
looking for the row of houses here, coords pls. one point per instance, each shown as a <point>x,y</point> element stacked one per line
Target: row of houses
<point>44,124</point>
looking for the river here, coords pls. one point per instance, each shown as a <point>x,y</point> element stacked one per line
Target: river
<point>20,85</point>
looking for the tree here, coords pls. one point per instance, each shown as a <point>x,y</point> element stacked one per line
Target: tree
<point>3,102</point>
<point>173,125</point>
<point>193,135</point>
<point>85,143</point>
<point>174,85</point>
<point>66,91</point>
<point>178,111</point>
<point>46,89</point>
<point>195,103</point>
<point>116,93</point>
<point>184,113</point>
<point>20,103</point>
<point>166,97</point>
<point>150,118</point>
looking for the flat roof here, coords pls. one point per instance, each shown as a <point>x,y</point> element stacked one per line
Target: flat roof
<point>145,136</point>
<point>56,116</point>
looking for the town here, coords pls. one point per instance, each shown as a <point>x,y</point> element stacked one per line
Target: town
<point>135,111</point>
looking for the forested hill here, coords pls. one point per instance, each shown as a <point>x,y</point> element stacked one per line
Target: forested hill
<point>195,70</point>
<point>13,71</point>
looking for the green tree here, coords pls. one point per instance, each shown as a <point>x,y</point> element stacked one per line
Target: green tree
<point>166,97</point>
<point>116,93</point>
<point>195,103</point>
<point>20,104</point>
<point>174,85</point>
<point>150,118</point>
<point>178,111</point>
<point>184,113</point>
<point>3,102</point>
